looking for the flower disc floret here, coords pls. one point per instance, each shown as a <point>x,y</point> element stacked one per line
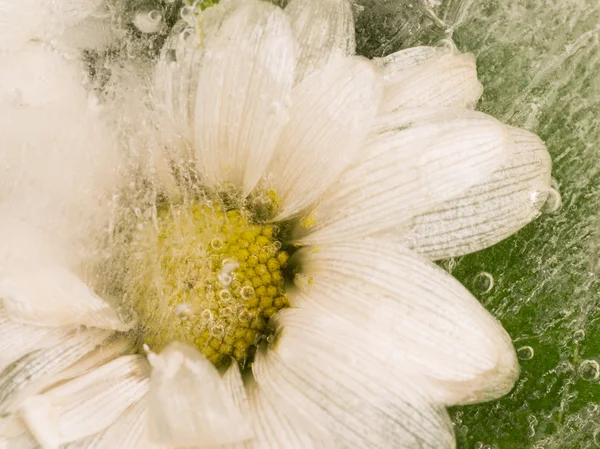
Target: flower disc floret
<point>208,277</point>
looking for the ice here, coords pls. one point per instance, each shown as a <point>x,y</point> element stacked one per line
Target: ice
<point>539,62</point>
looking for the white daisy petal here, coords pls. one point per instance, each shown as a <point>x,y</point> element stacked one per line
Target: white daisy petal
<point>272,429</point>
<point>408,58</point>
<point>53,296</point>
<point>110,349</point>
<point>178,67</point>
<point>32,372</point>
<point>427,76</point>
<point>130,431</point>
<point>88,404</point>
<point>189,402</point>
<point>107,349</point>
<point>175,78</point>
<point>235,386</point>
<point>23,441</point>
<point>324,29</point>
<point>325,376</point>
<point>412,307</point>
<point>491,211</point>
<point>243,87</point>
<point>330,116</point>
<point>17,339</point>
<point>12,426</point>
<point>416,158</point>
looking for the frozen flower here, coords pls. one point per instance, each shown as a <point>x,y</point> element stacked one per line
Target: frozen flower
<point>267,281</point>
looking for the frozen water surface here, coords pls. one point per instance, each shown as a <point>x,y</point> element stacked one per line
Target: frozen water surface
<point>539,61</point>
<point>540,65</point>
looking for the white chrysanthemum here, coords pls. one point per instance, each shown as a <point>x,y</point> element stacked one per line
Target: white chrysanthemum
<point>277,140</point>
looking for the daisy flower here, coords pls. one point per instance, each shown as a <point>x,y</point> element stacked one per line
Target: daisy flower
<point>265,279</point>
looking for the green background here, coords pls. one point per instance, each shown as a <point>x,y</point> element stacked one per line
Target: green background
<point>539,63</point>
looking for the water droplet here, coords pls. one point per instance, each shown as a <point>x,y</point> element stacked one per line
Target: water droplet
<point>247,292</point>
<point>525,352</point>
<point>148,21</point>
<point>270,339</point>
<point>277,244</point>
<point>410,242</point>
<point>597,437</point>
<point>171,55</point>
<point>226,312</point>
<point>244,316</point>
<point>225,279</point>
<point>217,331</point>
<point>538,199</point>
<point>483,282</point>
<point>187,14</point>
<point>358,8</point>
<point>207,315</point>
<point>186,35</point>
<point>579,335</point>
<point>589,370</point>
<point>216,244</point>
<point>225,295</point>
<point>447,43</point>
<point>553,202</point>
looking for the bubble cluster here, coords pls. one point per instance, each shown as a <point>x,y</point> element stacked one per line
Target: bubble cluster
<point>206,276</point>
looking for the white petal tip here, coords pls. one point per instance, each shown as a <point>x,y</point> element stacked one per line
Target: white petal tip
<point>190,404</point>
<point>42,419</point>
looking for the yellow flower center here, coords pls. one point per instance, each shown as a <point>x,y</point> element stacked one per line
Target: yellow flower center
<point>208,277</point>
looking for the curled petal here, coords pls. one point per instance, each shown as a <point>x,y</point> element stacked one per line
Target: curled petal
<point>190,404</point>
<point>88,404</point>
<point>43,367</point>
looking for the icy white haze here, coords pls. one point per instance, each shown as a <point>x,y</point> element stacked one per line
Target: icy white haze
<point>539,61</point>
